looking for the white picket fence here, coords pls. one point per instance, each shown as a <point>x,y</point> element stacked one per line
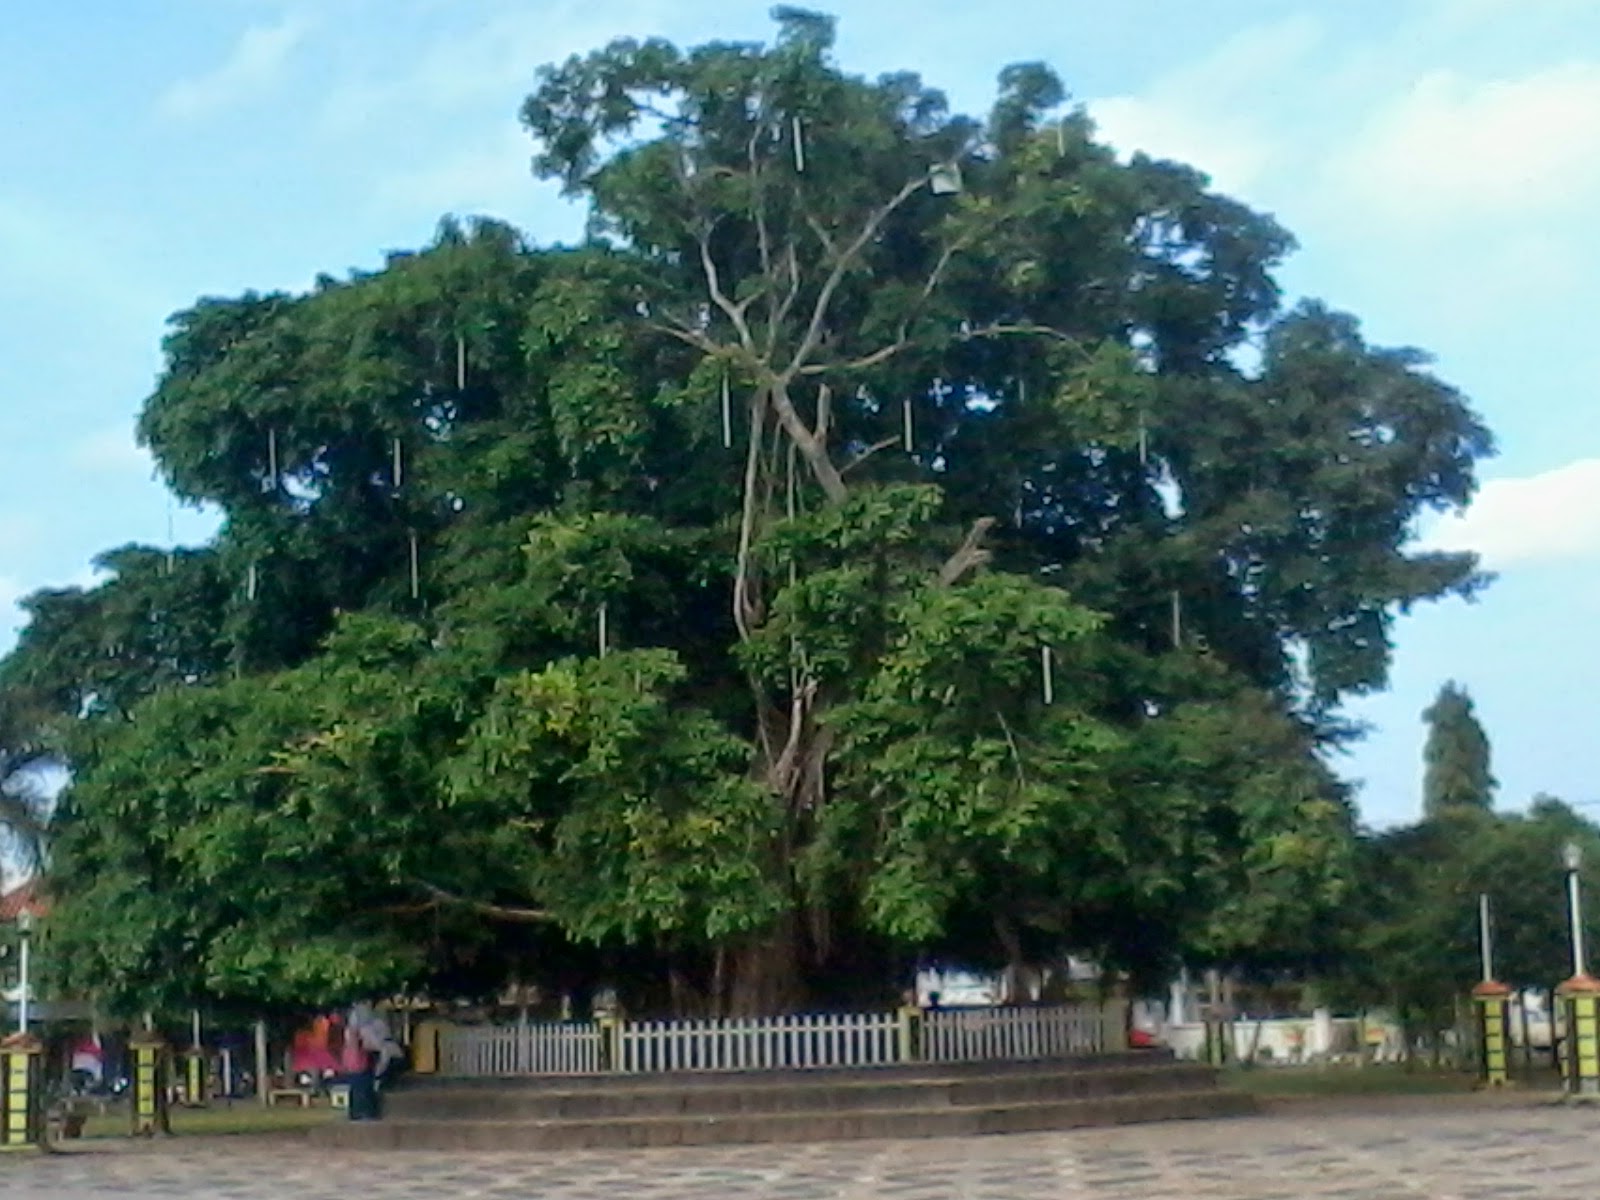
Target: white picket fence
<point>994,1034</point>
<point>792,1042</point>
<point>830,1040</point>
<point>567,1048</point>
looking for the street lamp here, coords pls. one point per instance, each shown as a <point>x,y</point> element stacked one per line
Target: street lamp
<point>1572,858</point>
<point>24,994</point>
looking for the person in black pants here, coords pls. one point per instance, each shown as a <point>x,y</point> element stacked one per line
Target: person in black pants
<point>356,1070</point>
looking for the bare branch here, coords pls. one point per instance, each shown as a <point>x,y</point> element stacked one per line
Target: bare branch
<point>816,453</point>
<point>743,606</point>
<point>865,362</point>
<point>842,263</point>
<point>786,305</point>
<point>692,337</point>
<point>499,912</point>
<point>1016,754</point>
<point>784,769</point>
<point>902,339</point>
<point>735,312</point>
<point>823,236</point>
<point>970,556</point>
<point>1026,329</point>
<point>869,452</point>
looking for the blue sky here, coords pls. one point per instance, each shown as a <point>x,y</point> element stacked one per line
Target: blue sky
<point>1438,159</point>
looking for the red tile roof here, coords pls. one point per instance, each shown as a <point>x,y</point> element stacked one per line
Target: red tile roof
<point>26,898</point>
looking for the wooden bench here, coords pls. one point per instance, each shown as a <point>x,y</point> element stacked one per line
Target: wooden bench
<point>299,1096</point>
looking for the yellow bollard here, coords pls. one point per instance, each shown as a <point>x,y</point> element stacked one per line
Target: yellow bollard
<point>149,1092</point>
<point>425,1047</point>
<point>22,1093</point>
<point>194,1079</point>
<point>1493,1001</point>
<point>1580,1000</point>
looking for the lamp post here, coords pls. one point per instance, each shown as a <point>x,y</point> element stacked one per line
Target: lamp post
<point>1493,999</point>
<point>24,990</point>
<point>1580,995</point>
<point>1572,859</point>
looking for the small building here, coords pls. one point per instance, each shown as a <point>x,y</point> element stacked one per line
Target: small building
<point>26,902</point>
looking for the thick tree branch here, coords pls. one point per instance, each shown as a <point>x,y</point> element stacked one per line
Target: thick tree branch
<point>970,556</point>
<point>743,605</point>
<point>841,265</point>
<point>499,912</point>
<point>812,447</point>
<point>869,452</point>
<point>1025,328</point>
<point>903,337</point>
<point>685,333</point>
<point>735,312</point>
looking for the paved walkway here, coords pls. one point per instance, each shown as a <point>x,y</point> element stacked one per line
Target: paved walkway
<point>1459,1152</point>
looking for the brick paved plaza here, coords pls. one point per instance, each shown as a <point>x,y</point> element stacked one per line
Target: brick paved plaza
<point>1412,1150</point>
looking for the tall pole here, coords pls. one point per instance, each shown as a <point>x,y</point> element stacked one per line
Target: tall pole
<point>1575,917</point>
<point>25,988</point>
<point>263,1068</point>
<point>1485,938</point>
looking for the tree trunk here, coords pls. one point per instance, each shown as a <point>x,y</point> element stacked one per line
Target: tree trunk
<point>764,977</point>
<point>1011,982</point>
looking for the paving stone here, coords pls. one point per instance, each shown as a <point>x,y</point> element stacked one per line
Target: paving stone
<point>1478,1151</point>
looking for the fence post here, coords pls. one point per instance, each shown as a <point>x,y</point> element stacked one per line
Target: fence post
<point>610,1042</point>
<point>908,1032</point>
<point>22,1101</point>
<point>1114,1026</point>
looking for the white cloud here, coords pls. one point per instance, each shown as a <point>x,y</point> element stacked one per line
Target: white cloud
<point>1451,152</point>
<point>1550,517</point>
<point>1205,115</point>
<point>253,66</point>
<point>110,450</point>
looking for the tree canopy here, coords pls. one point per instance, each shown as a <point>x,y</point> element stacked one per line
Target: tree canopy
<point>891,533</point>
<point>1456,772</point>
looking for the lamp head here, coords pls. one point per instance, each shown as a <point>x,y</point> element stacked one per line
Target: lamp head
<point>1572,856</point>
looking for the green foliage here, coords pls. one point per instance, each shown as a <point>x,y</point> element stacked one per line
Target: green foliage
<point>633,817</point>
<point>1411,935</point>
<point>590,605</point>
<point>1456,776</point>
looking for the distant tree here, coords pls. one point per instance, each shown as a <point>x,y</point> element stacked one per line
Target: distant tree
<point>1409,937</point>
<point>1456,776</point>
<point>24,797</point>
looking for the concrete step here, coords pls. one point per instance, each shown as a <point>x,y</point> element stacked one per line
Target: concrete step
<point>397,1133</point>
<point>765,1077</point>
<point>793,1092</point>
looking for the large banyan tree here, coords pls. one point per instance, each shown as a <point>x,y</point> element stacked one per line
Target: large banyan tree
<point>889,534</point>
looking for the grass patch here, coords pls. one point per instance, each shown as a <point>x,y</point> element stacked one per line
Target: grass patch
<point>241,1119</point>
<point>1376,1080</point>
